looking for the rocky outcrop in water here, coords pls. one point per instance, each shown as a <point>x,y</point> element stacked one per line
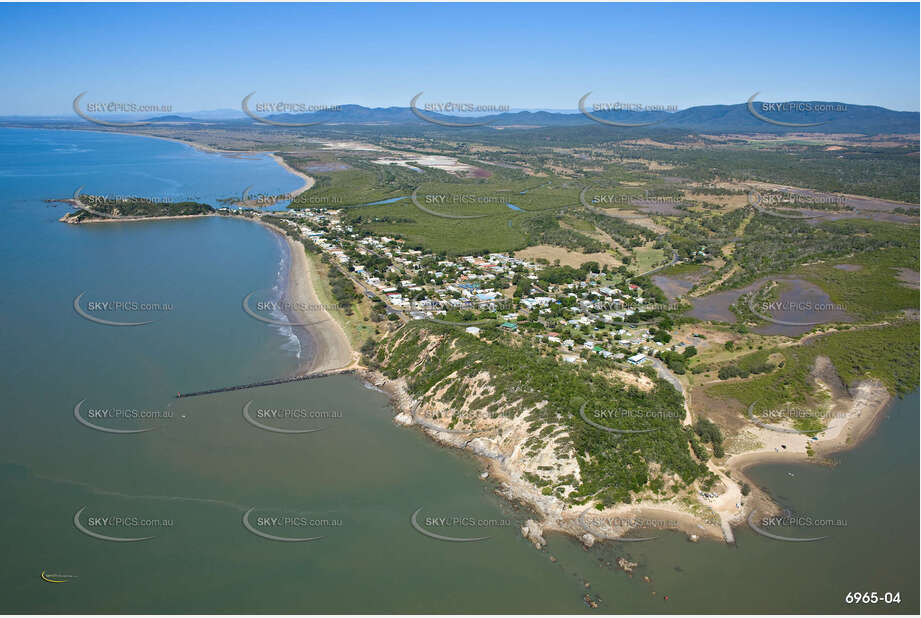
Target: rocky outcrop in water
<point>534,533</point>
<point>626,565</point>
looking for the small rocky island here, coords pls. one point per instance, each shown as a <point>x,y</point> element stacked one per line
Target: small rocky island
<point>97,208</point>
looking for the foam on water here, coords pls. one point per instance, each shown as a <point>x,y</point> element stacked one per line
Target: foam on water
<point>292,343</point>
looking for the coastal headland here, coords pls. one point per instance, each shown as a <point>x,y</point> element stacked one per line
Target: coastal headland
<point>503,438</point>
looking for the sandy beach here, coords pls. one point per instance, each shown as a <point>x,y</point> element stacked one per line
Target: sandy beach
<point>858,416</point>
<point>857,413</point>
<point>329,343</point>
<point>309,181</point>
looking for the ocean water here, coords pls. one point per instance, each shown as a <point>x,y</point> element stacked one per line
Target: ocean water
<point>210,479</point>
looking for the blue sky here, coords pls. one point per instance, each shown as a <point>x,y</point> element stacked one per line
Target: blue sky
<point>209,56</point>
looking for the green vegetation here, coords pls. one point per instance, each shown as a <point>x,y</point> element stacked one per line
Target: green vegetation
<point>810,425</point>
<point>888,173</point>
<point>710,432</point>
<point>452,237</point>
<point>138,207</point>
<point>625,234</point>
<point>750,364</point>
<point>648,258</point>
<point>774,245</point>
<point>676,361</point>
<point>342,288</point>
<point>888,354</point>
<point>872,290</point>
<point>613,467</point>
<point>361,182</point>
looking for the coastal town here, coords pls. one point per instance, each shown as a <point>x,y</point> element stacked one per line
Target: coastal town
<point>572,314</point>
<point>526,320</point>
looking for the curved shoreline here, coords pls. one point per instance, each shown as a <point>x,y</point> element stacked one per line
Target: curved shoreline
<point>865,409</point>
<point>309,181</point>
<point>333,351</point>
<point>329,343</point>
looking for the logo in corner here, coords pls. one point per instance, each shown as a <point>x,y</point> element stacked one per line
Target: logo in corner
<point>57,578</point>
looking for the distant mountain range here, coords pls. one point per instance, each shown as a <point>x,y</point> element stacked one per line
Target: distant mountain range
<point>844,118</point>
<point>738,118</point>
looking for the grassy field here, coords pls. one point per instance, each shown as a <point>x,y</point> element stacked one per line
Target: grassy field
<point>647,258</point>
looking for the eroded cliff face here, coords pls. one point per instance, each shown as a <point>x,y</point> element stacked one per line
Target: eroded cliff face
<point>467,394</point>
<point>465,409</point>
